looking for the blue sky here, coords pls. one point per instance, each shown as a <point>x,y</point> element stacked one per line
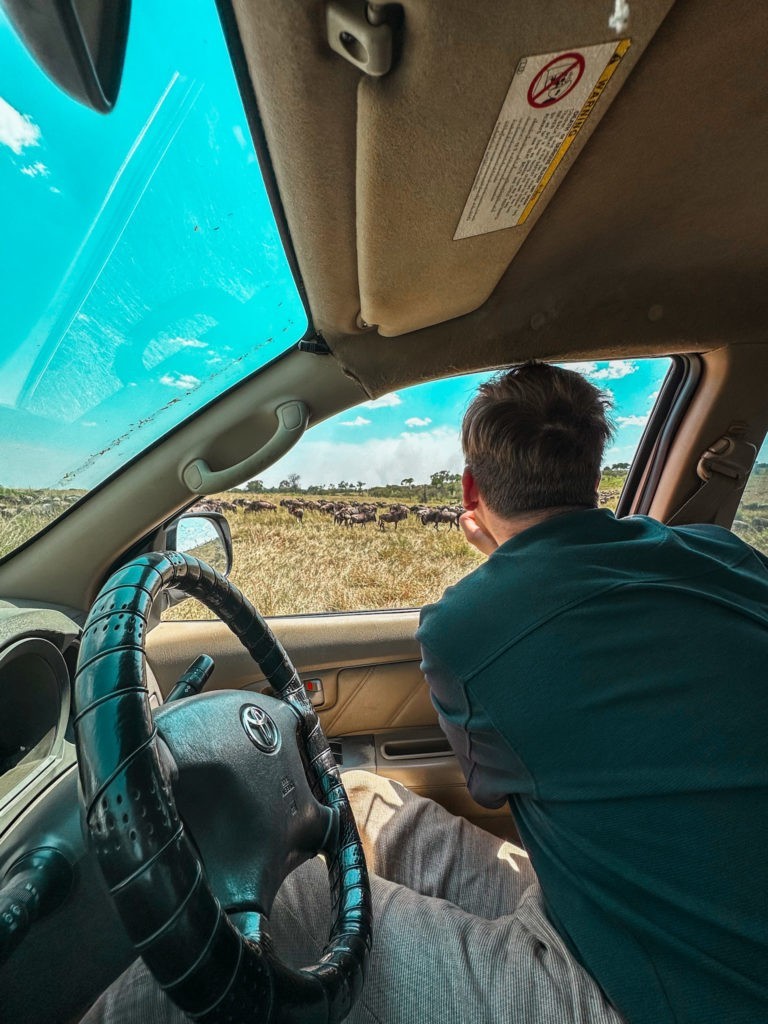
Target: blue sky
<point>415,432</point>
<point>142,273</point>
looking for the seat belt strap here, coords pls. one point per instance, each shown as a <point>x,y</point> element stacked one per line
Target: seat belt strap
<point>723,469</point>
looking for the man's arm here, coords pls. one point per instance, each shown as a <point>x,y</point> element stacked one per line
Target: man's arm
<point>492,769</point>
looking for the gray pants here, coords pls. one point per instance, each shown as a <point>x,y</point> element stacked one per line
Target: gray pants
<point>460,933</point>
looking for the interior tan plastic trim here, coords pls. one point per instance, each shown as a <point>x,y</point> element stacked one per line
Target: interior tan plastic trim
<point>314,642</point>
<point>731,391</point>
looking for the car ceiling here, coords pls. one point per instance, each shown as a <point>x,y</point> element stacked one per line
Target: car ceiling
<point>650,240</point>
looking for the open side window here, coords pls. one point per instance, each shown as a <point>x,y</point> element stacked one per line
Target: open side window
<point>362,515</point>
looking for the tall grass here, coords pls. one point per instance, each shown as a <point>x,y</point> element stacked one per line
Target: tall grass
<point>287,568</point>
<point>751,522</point>
<point>25,512</point>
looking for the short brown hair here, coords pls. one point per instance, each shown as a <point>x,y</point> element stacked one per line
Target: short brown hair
<point>533,438</point>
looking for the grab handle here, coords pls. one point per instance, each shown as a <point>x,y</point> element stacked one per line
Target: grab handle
<point>292,418</point>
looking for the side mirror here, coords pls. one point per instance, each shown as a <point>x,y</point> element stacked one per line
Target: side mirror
<point>80,44</point>
<point>204,535</point>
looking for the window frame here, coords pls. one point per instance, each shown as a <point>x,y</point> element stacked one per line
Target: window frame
<point>648,463</point>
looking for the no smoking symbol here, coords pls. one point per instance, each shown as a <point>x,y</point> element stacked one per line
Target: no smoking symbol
<point>556,80</point>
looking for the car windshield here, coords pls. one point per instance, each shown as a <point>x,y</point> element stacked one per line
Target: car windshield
<point>141,271</point>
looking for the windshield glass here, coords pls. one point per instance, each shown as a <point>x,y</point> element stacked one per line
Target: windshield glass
<point>141,270</point>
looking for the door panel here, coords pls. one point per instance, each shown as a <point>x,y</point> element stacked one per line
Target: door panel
<point>314,643</point>
<point>378,697</point>
<point>375,699</point>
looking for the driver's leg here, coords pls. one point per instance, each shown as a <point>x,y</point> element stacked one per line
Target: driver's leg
<point>416,842</point>
<point>431,962</point>
<point>434,963</point>
<point>135,998</point>
<point>460,932</point>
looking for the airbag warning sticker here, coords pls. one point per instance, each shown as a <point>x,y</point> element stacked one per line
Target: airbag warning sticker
<point>548,103</point>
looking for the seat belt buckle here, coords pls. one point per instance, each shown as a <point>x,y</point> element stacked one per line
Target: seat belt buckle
<point>729,457</point>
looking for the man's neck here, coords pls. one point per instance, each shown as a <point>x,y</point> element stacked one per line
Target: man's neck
<point>503,529</point>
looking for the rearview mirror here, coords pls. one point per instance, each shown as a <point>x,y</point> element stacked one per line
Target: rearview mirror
<point>80,44</point>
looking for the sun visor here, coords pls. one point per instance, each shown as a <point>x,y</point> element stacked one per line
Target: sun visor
<point>464,143</point>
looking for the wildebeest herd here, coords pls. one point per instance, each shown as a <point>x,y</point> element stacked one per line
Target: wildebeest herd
<point>341,513</point>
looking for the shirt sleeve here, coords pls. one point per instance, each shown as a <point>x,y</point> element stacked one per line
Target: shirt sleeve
<point>493,771</point>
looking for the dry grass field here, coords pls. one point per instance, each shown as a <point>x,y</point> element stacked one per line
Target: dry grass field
<point>751,523</point>
<point>24,512</point>
<point>287,568</point>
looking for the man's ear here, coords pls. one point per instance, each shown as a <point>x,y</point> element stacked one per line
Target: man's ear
<point>470,496</point>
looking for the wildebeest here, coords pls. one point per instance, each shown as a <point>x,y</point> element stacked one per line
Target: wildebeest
<point>297,512</point>
<point>392,517</point>
<point>440,515</point>
<point>361,518</point>
<point>352,515</point>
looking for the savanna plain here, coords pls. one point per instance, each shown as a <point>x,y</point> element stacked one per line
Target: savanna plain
<point>288,566</point>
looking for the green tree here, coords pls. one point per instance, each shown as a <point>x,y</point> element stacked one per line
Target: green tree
<point>444,482</point>
<point>255,486</point>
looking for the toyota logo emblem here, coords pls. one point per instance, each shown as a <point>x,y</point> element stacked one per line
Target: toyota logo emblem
<point>261,730</point>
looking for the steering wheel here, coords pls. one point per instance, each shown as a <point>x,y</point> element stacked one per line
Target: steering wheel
<point>240,782</point>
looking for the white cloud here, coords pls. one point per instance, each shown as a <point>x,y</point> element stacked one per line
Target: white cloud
<point>619,453</point>
<point>586,368</point>
<point>632,421</point>
<point>377,461</point>
<point>183,381</point>
<point>160,349</point>
<point>36,170</point>
<point>611,371</point>
<point>17,131</point>
<point>615,370</point>
<point>187,343</point>
<point>358,421</point>
<point>416,421</point>
<point>385,402</point>
<point>56,191</point>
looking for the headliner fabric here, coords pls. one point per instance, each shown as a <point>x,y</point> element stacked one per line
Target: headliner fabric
<point>654,242</point>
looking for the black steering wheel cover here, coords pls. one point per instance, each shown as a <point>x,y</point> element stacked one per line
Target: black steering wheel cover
<point>207,966</point>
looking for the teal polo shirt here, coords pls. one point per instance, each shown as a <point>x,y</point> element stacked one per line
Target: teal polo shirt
<point>609,677</point>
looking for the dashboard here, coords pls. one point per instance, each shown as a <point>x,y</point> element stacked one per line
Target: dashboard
<point>54,958</point>
<point>38,651</point>
<point>35,702</point>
